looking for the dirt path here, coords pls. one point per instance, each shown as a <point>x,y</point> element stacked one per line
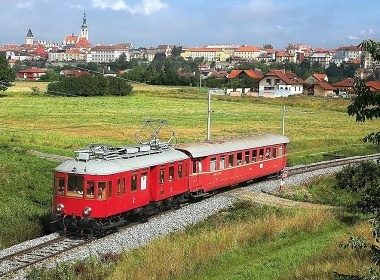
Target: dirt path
<point>269,199</point>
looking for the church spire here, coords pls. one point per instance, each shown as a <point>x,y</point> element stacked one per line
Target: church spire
<point>84,29</point>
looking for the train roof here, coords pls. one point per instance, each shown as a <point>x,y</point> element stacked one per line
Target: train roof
<point>212,147</point>
<point>107,166</point>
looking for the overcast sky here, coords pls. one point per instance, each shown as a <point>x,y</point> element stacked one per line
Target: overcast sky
<point>192,23</point>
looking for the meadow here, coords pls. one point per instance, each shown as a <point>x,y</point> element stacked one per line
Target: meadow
<point>268,242</point>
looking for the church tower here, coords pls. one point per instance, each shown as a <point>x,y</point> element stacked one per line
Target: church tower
<point>29,37</point>
<point>84,29</point>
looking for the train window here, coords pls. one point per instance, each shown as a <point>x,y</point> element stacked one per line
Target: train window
<point>274,153</point>
<point>197,166</point>
<point>171,173</point>
<point>280,152</point>
<point>261,154</point>
<point>102,190</point>
<point>239,158</point>
<point>246,157</point>
<point>179,171</point>
<point>118,186</point>
<point>162,176</point>
<point>231,160</point>
<point>267,153</point>
<point>134,182</point>
<point>123,186</point>
<point>254,155</point>
<point>90,189</point>
<point>222,162</point>
<point>75,185</point>
<point>109,188</point>
<point>60,186</point>
<point>213,164</point>
<point>143,179</point>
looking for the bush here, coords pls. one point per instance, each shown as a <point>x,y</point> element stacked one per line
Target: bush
<point>356,177</point>
<point>87,85</point>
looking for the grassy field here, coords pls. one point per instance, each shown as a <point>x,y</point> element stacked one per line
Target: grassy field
<point>61,124</point>
<point>289,239</point>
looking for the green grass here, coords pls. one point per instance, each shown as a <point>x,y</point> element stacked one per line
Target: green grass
<point>25,195</point>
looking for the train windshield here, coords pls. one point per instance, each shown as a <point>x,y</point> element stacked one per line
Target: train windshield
<point>75,185</point>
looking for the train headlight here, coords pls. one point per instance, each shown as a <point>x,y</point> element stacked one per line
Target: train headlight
<point>87,211</point>
<point>60,208</point>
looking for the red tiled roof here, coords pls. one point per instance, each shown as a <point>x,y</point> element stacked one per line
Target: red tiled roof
<point>83,43</point>
<point>248,49</point>
<point>325,85</point>
<point>251,73</point>
<point>288,77</point>
<point>373,84</point>
<point>349,82</point>
<point>70,38</point>
<point>320,77</point>
<point>32,70</point>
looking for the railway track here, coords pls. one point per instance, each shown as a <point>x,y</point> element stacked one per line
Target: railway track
<point>333,163</point>
<point>27,257</point>
<point>22,259</point>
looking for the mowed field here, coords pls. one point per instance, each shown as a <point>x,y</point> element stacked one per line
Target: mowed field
<point>33,120</point>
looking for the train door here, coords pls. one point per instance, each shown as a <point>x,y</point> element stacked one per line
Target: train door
<point>195,174</point>
<point>120,194</point>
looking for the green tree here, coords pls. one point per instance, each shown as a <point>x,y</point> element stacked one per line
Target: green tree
<point>366,105</point>
<point>7,76</point>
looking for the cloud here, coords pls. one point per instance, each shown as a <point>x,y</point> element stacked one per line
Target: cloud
<point>353,37</point>
<point>25,5</point>
<point>145,7</point>
<point>364,34</point>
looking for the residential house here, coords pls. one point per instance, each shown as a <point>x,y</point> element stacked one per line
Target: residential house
<point>239,74</point>
<point>283,80</point>
<point>74,73</point>
<point>317,85</point>
<point>346,85</point>
<point>373,85</point>
<point>282,56</point>
<point>31,74</point>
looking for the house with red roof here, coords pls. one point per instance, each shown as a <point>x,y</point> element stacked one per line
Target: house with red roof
<point>317,84</point>
<point>33,73</point>
<point>346,85</point>
<point>281,80</point>
<point>373,85</point>
<point>254,74</point>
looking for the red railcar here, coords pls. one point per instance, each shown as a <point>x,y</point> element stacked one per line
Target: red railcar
<point>103,186</point>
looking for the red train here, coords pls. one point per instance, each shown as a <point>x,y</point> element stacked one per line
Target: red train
<point>104,186</point>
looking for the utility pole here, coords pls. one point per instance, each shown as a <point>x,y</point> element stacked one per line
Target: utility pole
<point>283,120</point>
<point>209,116</point>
